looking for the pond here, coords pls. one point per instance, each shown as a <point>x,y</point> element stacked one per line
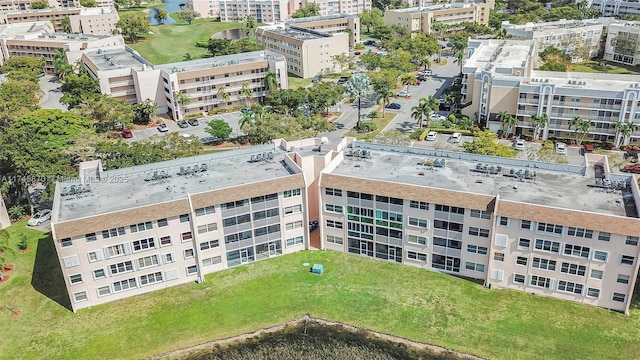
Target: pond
<point>231,34</point>
<point>171,6</point>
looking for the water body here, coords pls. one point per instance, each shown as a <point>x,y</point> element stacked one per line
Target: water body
<point>169,5</point>
<point>231,34</point>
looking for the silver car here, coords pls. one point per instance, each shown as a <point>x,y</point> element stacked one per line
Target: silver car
<point>561,148</point>
<point>39,217</point>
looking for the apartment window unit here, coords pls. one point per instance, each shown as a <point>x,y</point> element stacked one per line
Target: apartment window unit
<point>479,214</point>
<point>627,260</point>
<point>622,279</point>
<point>211,261</point>
<point>581,233</point>
<point>333,208</point>
<point>357,195</point>
<point>545,264</point>
<point>498,256</point>
<point>389,200</point>
<point>192,270</point>
<point>548,245</point>
<point>168,258</point>
<point>298,224</point>
<point>570,287</point>
<point>577,250</point>
<point>184,218</point>
<point>415,239</point>
<point>75,279</point>
<point>418,205</point>
<point>525,224</point>
<point>264,198</point>
<point>631,240</point>
<point>417,222</point>
<point>165,240</point>
<point>594,293</point>
<point>389,219</point>
<point>144,244</point>
<point>294,241</point>
<point>106,234</point>
<point>104,291</point>
<point>99,274</point>
<point>360,214</point>
<point>474,231</point>
<point>90,237</point>
<point>359,230</point>
<point>604,236</point>
<point>205,210</point>
<point>447,263</point>
<point>291,193</point>
<point>474,266</point>
<point>503,221</point>
<point>447,243</point>
<point>335,240</point>
<point>333,192</point>
<point>80,296</point>
<point>115,250</point>
<point>520,260</point>
<point>141,227</point>
<point>162,222</point>
<point>618,297</point>
<point>475,249</point>
<point>447,225</point>
<point>550,228</point>
<point>271,229</point>
<point>290,210</point>
<point>243,235</point>
<point>120,268</point>
<point>207,228</point>
<point>151,278</point>
<point>334,224</point>
<point>234,204</point>
<point>209,244</point>
<point>450,209</point>
<point>524,243</point>
<point>148,261</point>
<point>540,281</point>
<point>258,215</point>
<point>417,256</point>
<point>188,253</point>
<point>186,236</point>
<point>518,278</point>
<point>66,242</point>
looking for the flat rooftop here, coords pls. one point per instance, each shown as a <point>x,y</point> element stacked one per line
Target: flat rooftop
<point>587,82</point>
<point>496,55</point>
<point>225,60</point>
<point>312,19</point>
<point>57,37</point>
<point>42,11</point>
<point>96,11</point>
<point>562,187</point>
<point>560,24</point>
<point>297,33</point>
<point>435,7</point>
<point>26,28</point>
<point>112,59</point>
<point>130,188</point>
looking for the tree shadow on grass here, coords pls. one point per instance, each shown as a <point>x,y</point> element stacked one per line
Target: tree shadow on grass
<point>47,277</point>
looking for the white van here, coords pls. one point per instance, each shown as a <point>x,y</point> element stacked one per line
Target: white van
<point>455,138</point>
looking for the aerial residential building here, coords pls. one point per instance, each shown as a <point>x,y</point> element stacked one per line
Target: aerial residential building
<point>308,52</point>
<point>499,76</point>
<point>264,11</point>
<point>616,7</point>
<point>421,19</point>
<point>206,8</point>
<point>623,43</point>
<point>336,7</point>
<point>331,24</point>
<point>98,21</point>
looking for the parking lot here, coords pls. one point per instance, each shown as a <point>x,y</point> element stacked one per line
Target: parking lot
<point>230,118</point>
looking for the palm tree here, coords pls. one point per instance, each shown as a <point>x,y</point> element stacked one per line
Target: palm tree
<point>60,64</point>
<point>424,108</point>
<point>357,86</point>
<point>66,24</point>
<point>181,98</point>
<point>502,117</point>
<point>581,127</point>
<point>245,119</point>
<point>512,124</point>
<point>624,131</point>
<point>408,79</point>
<point>459,55</point>
<point>249,24</point>
<point>246,91</point>
<point>4,249</point>
<point>385,95</point>
<point>439,28</point>
<point>270,81</point>
<point>540,122</point>
<point>224,94</point>
<point>258,111</point>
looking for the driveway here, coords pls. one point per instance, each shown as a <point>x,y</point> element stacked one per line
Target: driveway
<point>51,93</point>
<point>230,118</point>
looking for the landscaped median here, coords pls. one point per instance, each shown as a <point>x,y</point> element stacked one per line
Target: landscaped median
<point>391,298</point>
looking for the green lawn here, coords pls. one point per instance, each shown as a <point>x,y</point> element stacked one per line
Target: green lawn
<point>169,43</point>
<point>296,82</point>
<point>388,297</point>
<point>608,68</point>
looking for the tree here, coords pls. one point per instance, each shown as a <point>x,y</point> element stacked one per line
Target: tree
<point>440,29</point>
<point>23,68</point>
<point>4,249</point>
<point>249,24</point>
<point>624,131</point>
<point>188,15</point>
<point>357,86</point>
<point>60,64</point>
<point>486,143</point>
<point>270,81</point>
<point>385,78</point>
<point>286,101</point>
<point>398,59</point>
<point>40,4</point>
<point>369,61</point>
<point>144,111</point>
<point>107,112</point>
<point>385,95</point>
<point>308,10</point>
<point>77,86</point>
<point>369,18</point>
<point>224,94</point>
<point>181,98</point>
<point>88,3</point>
<point>408,79</point>
<point>187,57</point>
<point>322,95</point>
<point>246,91</point>
<point>245,120</point>
<point>218,129</point>
<point>341,60</point>
<point>539,122</point>
<point>132,25</point>
<point>219,47</point>
<point>161,15</point>
<point>17,98</point>
<point>424,108</point>
<point>66,24</point>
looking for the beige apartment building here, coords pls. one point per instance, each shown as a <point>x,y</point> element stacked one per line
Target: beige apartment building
<point>308,52</point>
<point>421,19</point>
<point>264,11</point>
<point>499,76</point>
<point>97,21</point>
<point>623,43</point>
<point>336,7</point>
<point>19,5</point>
<point>332,24</point>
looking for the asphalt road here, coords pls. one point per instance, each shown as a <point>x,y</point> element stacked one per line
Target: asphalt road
<point>199,131</point>
<point>51,93</point>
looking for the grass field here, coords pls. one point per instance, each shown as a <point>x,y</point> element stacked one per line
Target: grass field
<point>296,82</point>
<point>388,297</point>
<point>169,43</point>
<point>594,67</point>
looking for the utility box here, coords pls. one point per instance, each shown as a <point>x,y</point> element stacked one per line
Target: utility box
<point>317,269</point>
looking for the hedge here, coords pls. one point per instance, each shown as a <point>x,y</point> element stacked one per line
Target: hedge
<point>423,135</point>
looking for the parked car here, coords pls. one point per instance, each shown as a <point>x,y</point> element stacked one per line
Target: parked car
<point>426,72</point>
<point>455,138</point>
<point>343,79</point>
<point>634,169</point>
<point>39,217</point>
<point>208,140</point>
<point>357,53</point>
<point>370,43</point>
<point>183,124</point>
<point>431,136</point>
<point>246,110</point>
<point>126,133</point>
<point>393,106</point>
<point>317,78</point>
<point>519,144</point>
<point>422,77</point>
<point>561,148</point>
<point>404,93</point>
<point>163,128</point>
<point>437,117</point>
<point>193,122</point>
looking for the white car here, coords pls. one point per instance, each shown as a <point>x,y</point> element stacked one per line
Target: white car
<point>561,148</point>
<point>39,217</point>
<point>519,145</point>
<point>431,136</point>
<point>437,117</point>
<point>455,138</point>
<point>404,93</point>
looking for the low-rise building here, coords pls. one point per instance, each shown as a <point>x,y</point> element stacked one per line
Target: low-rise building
<point>616,7</point>
<point>623,42</point>
<point>97,21</point>
<point>336,7</point>
<point>421,19</point>
<point>264,11</point>
<point>331,24</point>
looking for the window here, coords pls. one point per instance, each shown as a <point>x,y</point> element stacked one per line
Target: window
<point>604,236</point>
<point>296,225</point>
<point>188,253</point>
<point>333,208</point>
<point>211,261</point>
<point>521,260</point>
<point>205,210</point>
<point>113,232</point>
<point>124,285</point>
<point>75,279</point>
<point>479,232</point>
<point>264,198</point>
<point>294,241</point>
<point>597,274</point>
<point>571,287</point>
<point>186,236</point>
<point>631,240</point>
<point>524,243</point>
<point>104,291</point>
<point>550,228</point>
<point>115,250</point>
<point>144,244</point>
<point>80,296</point>
<point>518,278</point>
<point>295,209</point>
<point>335,240</point>
<point>479,214</point>
<point>582,233</point>
<point>544,264</point>
<point>474,266</point>
<point>595,293</point>
<point>209,244</point>
<point>525,224</point>
<point>618,297</point>
<point>165,240</point>
<point>334,224</point>
<point>99,274</point>
<point>184,218</point>
<point>291,193</point>
<point>415,239</point>
<point>168,258</point>
<point>422,223</point>
<point>120,268</point>
<point>148,261</point>
<point>66,242</point>
<point>573,269</point>
<point>192,270</point>
<point>475,249</point>
<point>622,279</point>
<point>548,245</point>
<point>540,281</point>
<point>419,205</point>
<point>498,256</point>
<point>576,250</point>
<point>333,192</point>
<point>627,260</point>
<point>243,235</point>
<point>271,229</point>
<point>90,237</point>
<point>94,256</point>
<point>141,227</point>
<point>504,221</point>
<point>600,255</point>
<point>150,278</point>
<point>162,222</point>
<point>416,256</point>
<point>207,228</point>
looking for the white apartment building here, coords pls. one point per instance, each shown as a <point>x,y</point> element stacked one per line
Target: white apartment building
<point>206,8</point>
<point>616,7</point>
<point>97,21</point>
<point>338,7</point>
<point>264,11</point>
<point>331,24</point>
<point>623,43</point>
<point>421,19</point>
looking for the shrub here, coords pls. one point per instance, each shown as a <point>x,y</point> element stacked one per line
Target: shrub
<point>16,212</point>
<point>367,127</point>
<point>423,135</point>
<point>23,244</point>
<point>448,124</point>
<point>415,135</point>
<point>373,114</point>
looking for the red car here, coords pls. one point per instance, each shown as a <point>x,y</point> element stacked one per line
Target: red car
<point>126,133</point>
<point>635,169</point>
